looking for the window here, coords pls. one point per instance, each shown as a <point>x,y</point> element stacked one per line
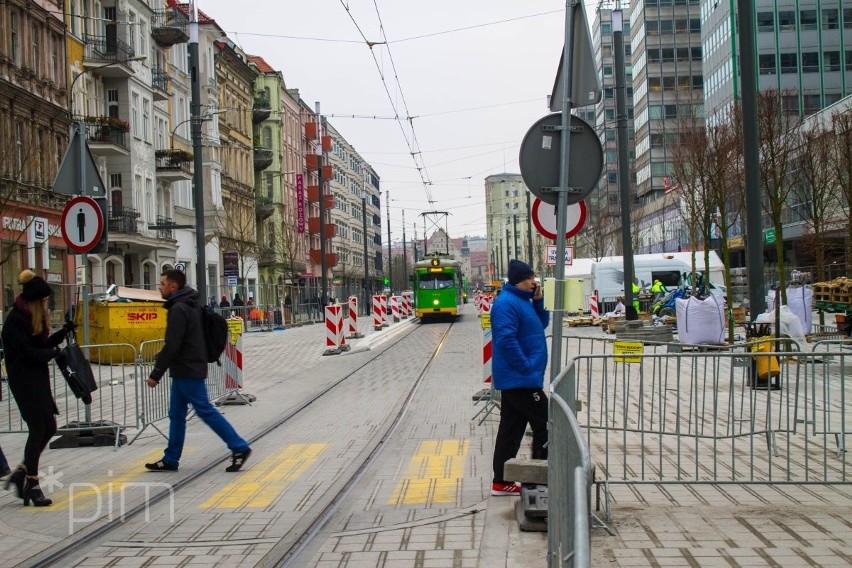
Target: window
<point>766,64</point>
<point>146,120</point>
<point>788,63</point>
<point>134,115</point>
<point>830,19</point>
<point>607,71</point>
<point>765,22</point>
<point>810,62</point>
<point>668,55</point>
<point>54,59</point>
<point>609,114</point>
<point>695,25</point>
<point>654,84</point>
<point>786,21</point>
<point>34,64</point>
<point>848,60</point>
<point>606,29</point>
<point>14,38</point>
<point>808,20</point>
<point>831,60</point>
<point>666,27</point>
<point>612,177</point>
<point>847,19</point>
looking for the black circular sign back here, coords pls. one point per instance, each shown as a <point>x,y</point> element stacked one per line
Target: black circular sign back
<point>539,159</point>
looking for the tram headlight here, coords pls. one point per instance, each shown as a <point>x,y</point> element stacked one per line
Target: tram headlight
<point>436,302</point>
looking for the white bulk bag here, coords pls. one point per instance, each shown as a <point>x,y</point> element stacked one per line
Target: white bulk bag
<point>700,322</point>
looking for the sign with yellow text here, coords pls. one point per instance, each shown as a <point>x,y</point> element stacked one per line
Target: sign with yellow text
<point>628,348</point>
<point>235,327</point>
<point>485,320</point>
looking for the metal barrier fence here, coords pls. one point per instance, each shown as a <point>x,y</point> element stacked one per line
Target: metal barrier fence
<point>113,404</point>
<point>123,400</point>
<point>568,478</point>
<point>708,418</point>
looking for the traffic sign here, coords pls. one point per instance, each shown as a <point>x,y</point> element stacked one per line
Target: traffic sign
<point>544,218</point>
<point>541,150</point>
<point>585,84</point>
<point>69,176</point>
<point>82,224</point>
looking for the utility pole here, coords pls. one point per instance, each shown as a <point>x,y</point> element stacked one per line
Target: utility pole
<point>323,264</point>
<point>366,259</point>
<point>515,234</point>
<point>530,255</point>
<point>198,159</point>
<point>390,254</point>
<point>404,254</point>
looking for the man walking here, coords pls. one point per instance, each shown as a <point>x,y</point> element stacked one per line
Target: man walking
<point>185,356</point>
<point>518,321</point>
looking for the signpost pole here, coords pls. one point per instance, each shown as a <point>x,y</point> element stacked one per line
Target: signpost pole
<point>562,203</point>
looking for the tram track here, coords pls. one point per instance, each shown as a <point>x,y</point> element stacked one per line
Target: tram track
<point>288,548</point>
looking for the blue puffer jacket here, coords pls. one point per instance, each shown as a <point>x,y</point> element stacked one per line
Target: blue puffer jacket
<point>517,337</point>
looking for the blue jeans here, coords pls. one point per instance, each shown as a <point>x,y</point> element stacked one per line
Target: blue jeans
<point>193,391</point>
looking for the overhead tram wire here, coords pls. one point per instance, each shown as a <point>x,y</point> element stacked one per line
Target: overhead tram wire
<point>421,168</point>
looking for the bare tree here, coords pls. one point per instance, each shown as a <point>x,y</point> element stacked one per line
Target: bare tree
<point>237,231</point>
<point>814,187</point>
<point>778,143</point>
<point>841,160</point>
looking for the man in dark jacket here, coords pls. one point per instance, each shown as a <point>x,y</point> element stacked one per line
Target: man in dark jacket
<point>519,358</point>
<point>185,356</point>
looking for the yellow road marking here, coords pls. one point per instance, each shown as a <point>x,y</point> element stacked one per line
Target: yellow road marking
<point>263,482</point>
<point>433,474</point>
<point>83,494</point>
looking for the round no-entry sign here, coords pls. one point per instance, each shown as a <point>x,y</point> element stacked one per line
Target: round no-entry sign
<point>544,218</point>
<point>82,224</point>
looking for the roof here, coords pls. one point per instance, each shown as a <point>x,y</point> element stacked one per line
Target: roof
<point>261,64</point>
<point>202,17</point>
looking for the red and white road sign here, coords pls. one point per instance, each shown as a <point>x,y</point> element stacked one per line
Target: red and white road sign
<point>82,224</point>
<point>544,218</point>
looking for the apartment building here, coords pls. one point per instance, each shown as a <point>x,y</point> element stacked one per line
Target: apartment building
<point>354,186</point>
<point>34,130</point>
<point>506,202</point>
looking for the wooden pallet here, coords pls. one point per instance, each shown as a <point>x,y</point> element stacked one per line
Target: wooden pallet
<point>580,322</point>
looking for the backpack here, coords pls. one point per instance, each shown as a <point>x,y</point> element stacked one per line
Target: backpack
<point>215,334</point>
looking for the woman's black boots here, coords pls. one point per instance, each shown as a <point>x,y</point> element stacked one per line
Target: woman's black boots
<point>32,492</point>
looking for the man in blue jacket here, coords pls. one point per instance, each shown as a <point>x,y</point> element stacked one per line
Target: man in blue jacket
<point>518,321</point>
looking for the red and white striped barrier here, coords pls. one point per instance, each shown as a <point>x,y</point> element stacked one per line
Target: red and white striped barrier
<point>353,318</point>
<point>232,365</point>
<point>593,305</point>
<point>486,305</point>
<point>405,308</point>
<point>333,330</point>
<point>385,312</point>
<point>394,308</point>
<point>378,320</point>
<point>486,355</point>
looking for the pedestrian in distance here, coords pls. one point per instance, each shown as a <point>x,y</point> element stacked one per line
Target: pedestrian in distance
<point>519,358</point>
<point>185,356</point>
<point>29,347</point>
<point>239,305</point>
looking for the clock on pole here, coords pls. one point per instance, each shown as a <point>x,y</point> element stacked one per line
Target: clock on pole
<point>82,224</point>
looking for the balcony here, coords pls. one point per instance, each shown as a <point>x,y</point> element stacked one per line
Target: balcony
<point>266,256</point>
<point>107,135</point>
<point>262,158</point>
<point>173,165</point>
<point>261,109</point>
<point>160,84</point>
<point>123,220</point>
<point>102,50</point>
<point>168,27</point>
<point>263,208</point>
<point>164,228</point>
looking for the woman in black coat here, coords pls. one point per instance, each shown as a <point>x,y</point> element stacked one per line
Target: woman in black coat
<point>29,347</point>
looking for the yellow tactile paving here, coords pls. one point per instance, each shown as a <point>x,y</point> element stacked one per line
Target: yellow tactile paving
<point>433,475</point>
<point>263,482</point>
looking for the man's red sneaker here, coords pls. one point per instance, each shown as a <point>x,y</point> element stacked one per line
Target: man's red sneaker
<point>505,489</point>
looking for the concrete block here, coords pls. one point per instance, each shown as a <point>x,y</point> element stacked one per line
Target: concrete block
<point>525,470</point>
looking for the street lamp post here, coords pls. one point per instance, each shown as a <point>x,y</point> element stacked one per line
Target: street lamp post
<point>366,259</point>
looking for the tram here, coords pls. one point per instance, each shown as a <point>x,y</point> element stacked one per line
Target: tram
<point>438,287</point>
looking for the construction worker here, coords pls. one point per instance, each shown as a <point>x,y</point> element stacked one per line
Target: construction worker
<point>658,289</point>
<point>635,296</point>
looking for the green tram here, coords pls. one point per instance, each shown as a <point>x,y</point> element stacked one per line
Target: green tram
<point>438,287</point>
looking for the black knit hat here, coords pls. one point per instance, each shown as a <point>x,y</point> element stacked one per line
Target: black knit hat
<point>519,271</point>
<point>35,288</point>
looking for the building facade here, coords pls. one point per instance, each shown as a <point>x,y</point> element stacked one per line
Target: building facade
<point>506,210</point>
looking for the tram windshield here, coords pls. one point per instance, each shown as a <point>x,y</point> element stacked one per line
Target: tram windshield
<point>436,281</point>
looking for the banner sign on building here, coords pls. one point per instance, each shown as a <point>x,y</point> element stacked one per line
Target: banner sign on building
<point>300,203</point>
<point>231,262</point>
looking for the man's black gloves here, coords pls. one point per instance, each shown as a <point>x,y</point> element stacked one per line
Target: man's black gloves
<point>69,326</point>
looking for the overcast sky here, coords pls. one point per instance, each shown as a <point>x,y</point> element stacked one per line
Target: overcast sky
<point>474,75</point>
